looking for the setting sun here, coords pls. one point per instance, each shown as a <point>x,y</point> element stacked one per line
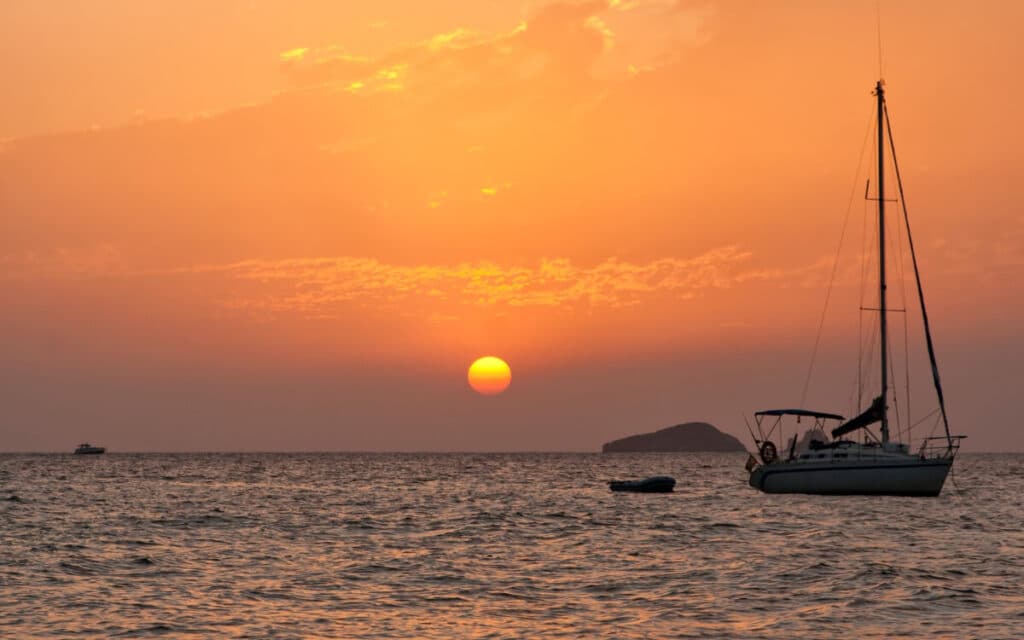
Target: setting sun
<point>489,375</point>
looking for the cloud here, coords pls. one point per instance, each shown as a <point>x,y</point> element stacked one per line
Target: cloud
<point>294,54</point>
<point>457,37</point>
<point>313,285</point>
<point>570,37</point>
<point>320,66</point>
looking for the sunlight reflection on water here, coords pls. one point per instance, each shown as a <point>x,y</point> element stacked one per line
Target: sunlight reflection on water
<point>480,545</point>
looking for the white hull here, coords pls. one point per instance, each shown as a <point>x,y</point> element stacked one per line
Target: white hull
<point>910,476</point>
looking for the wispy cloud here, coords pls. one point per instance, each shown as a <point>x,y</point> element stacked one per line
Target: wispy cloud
<point>580,35</point>
<point>294,54</point>
<point>313,284</point>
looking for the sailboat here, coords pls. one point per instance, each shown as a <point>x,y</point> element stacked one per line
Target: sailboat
<point>874,464</point>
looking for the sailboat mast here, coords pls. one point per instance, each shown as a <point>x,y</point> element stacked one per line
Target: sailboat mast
<point>880,93</point>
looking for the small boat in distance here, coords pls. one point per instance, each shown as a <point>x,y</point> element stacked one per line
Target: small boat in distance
<point>872,464</point>
<point>85,449</point>
<point>656,484</point>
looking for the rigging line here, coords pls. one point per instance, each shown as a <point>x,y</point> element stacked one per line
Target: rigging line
<point>895,396</point>
<point>935,425</point>
<point>866,251</point>
<point>869,363</point>
<point>901,265</point>
<point>906,365</point>
<point>920,289</point>
<point>835,266</point>
<point>752,436</point>
<point>906,329</point>
<point>923,418</point>
<point>852,400</point>
<point>896,244</point>
<point>870,340</point>
<point>913,426</point>
<point>860,316</point>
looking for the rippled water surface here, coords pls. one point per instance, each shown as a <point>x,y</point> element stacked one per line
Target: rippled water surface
<point>465,546</point>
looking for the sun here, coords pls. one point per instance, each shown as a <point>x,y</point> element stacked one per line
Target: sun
<point>489,375</point>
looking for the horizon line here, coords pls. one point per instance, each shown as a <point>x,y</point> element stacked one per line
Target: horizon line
<point>406,452</point>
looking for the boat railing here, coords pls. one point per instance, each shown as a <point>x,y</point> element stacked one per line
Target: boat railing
<point>938,447</point>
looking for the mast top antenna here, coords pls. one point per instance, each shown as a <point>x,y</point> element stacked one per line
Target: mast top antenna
<point>878,16</point>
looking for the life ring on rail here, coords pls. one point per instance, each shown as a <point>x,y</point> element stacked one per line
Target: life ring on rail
<point>769,453</point>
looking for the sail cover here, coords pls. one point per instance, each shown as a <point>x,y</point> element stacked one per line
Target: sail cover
<point>799,412</point>
<point>871,415</point>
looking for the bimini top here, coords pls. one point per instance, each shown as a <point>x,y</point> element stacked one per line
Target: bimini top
<point>799,412</point>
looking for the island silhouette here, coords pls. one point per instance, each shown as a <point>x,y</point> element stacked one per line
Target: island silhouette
<point>686,437</point>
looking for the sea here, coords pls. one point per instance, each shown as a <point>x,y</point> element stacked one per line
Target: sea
<point>530,545</point>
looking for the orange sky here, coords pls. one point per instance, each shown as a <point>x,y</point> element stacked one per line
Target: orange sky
<point>269,225</point>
